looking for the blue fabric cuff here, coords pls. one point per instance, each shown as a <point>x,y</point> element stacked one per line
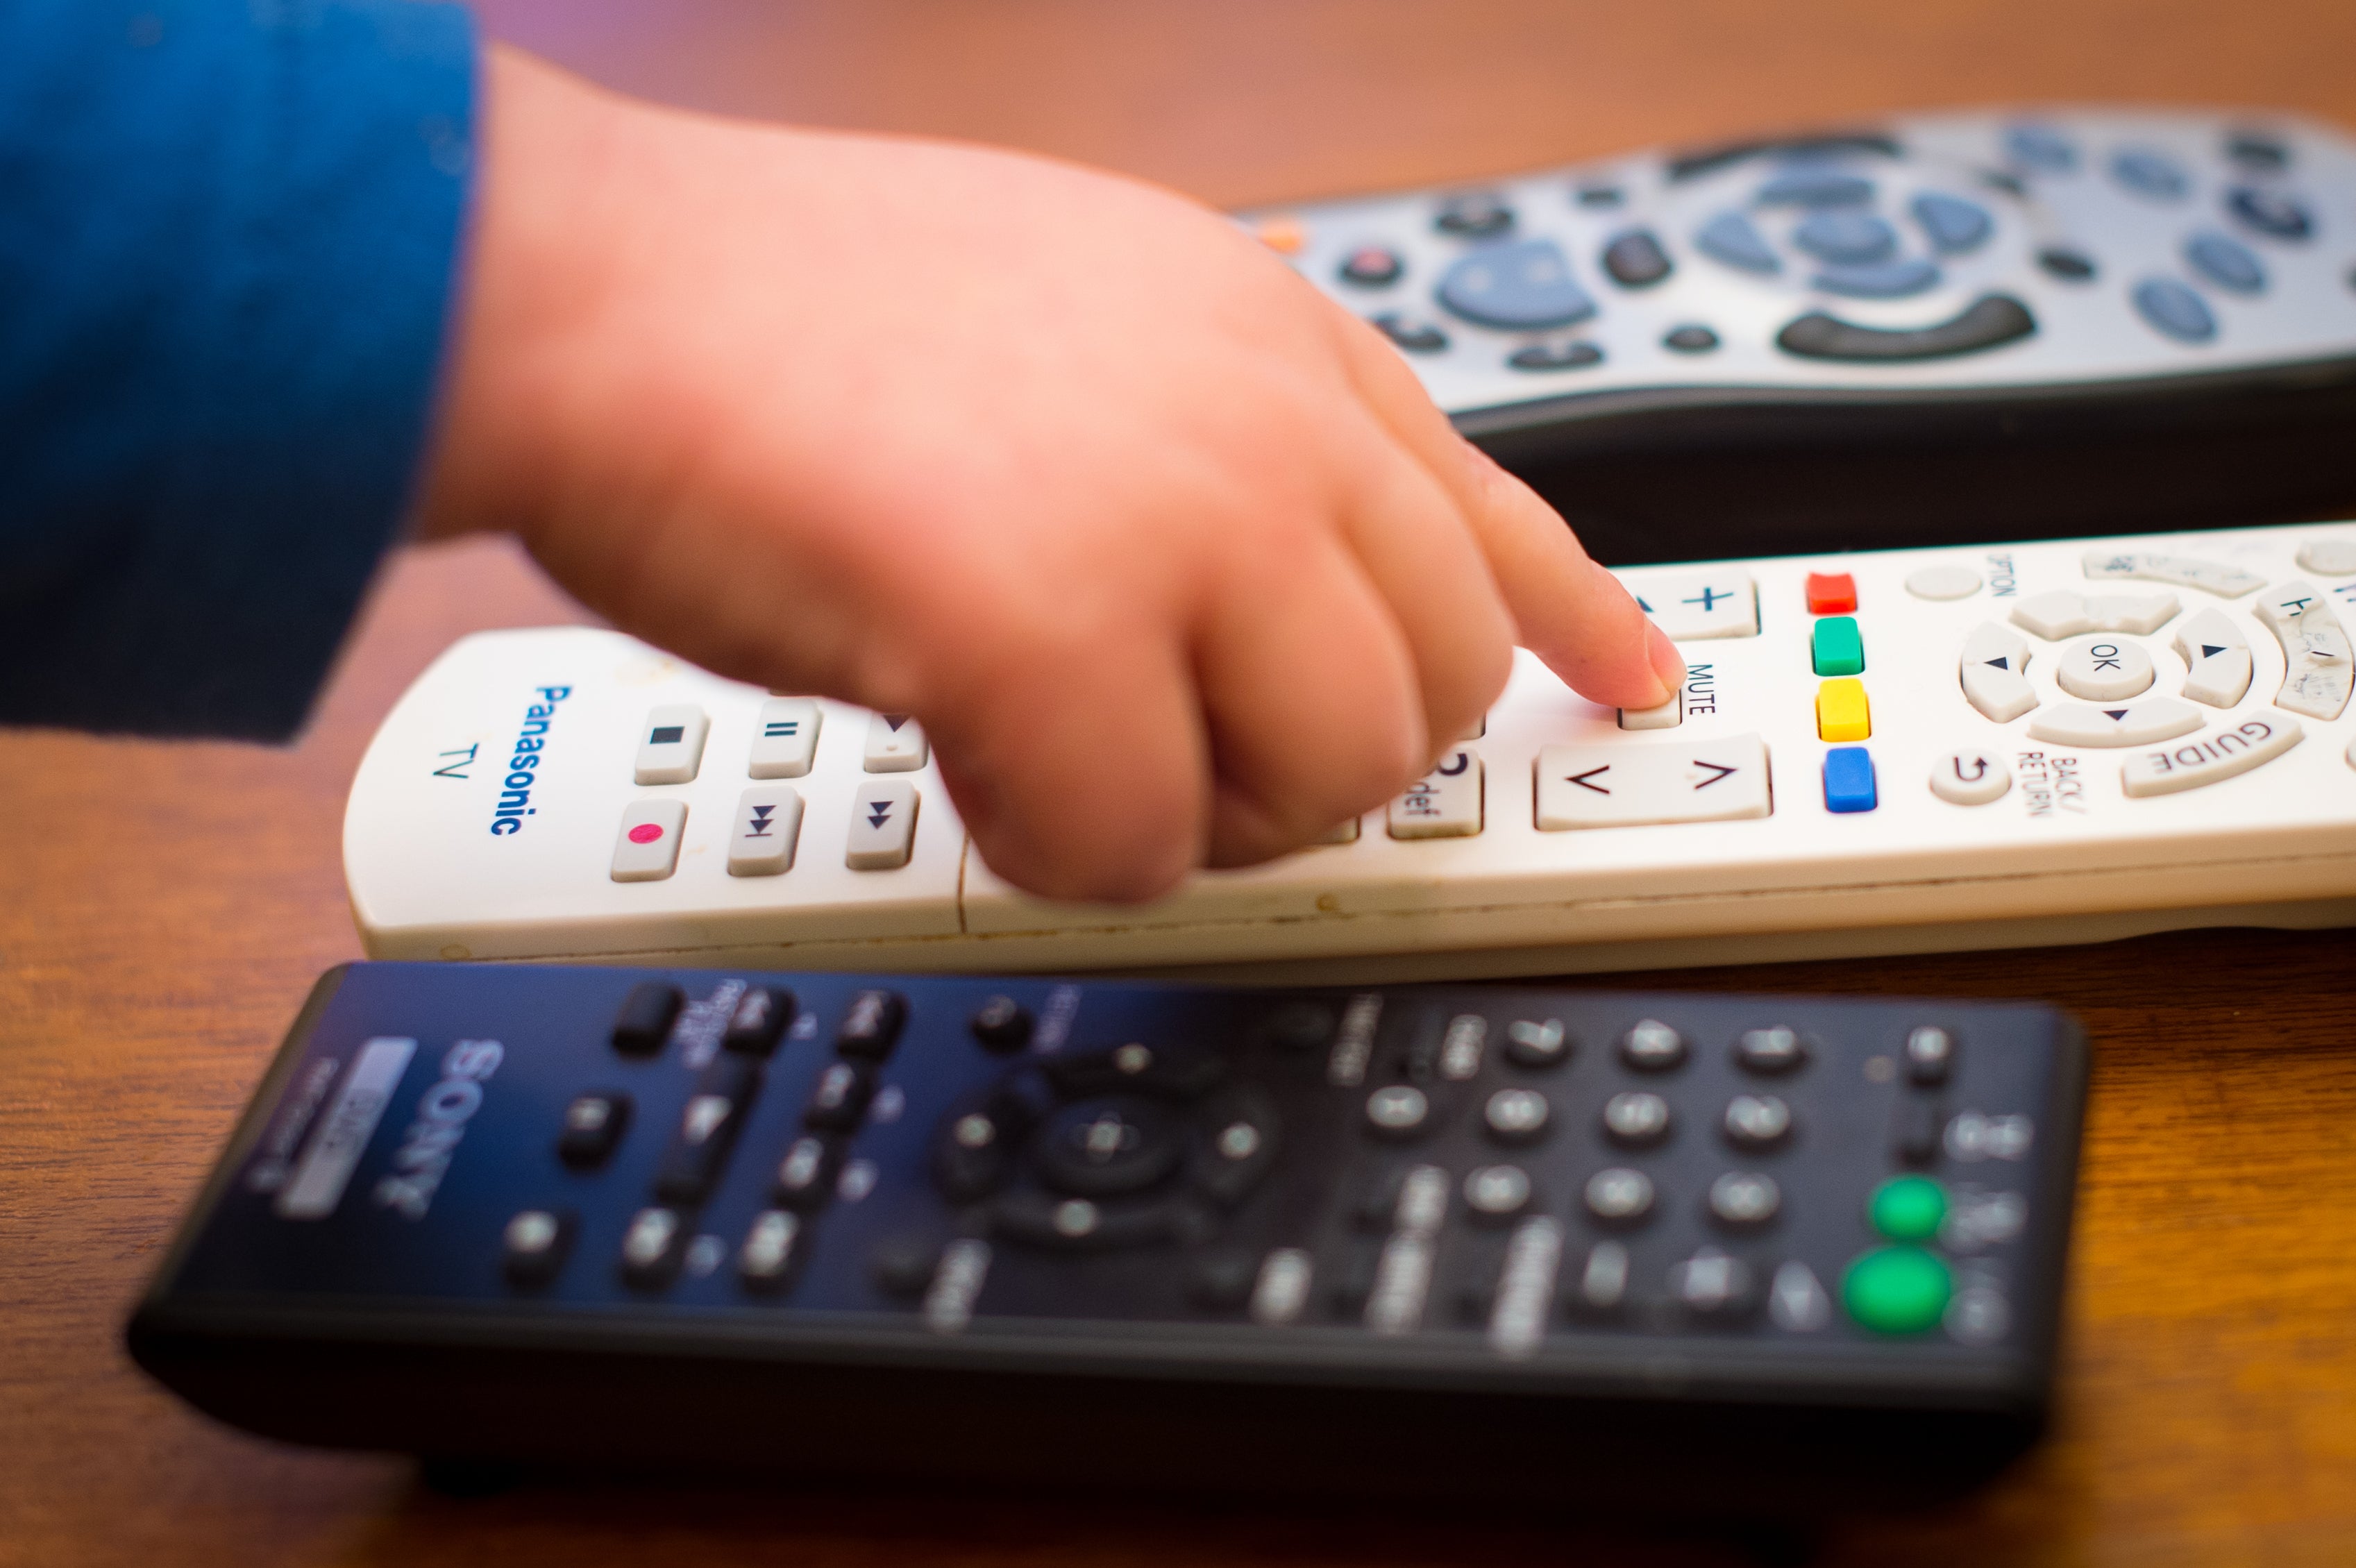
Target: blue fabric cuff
<point>229,233</point>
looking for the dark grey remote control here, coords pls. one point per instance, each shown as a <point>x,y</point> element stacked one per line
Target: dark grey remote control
<point>1942,328</point>
<point>1515,1242</point>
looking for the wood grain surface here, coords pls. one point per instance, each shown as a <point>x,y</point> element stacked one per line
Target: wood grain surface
<point>162,908</point>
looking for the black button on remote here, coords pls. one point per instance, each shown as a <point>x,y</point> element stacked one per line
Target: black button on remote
<point>1298,1027</point>
<point>1652,1046</point>
<point>1637,1119</point>
<point>1714,1287</point>
<point>902,1266</point>
<point>1636,258</point>
<point>1535,1044</point>
<point>1776,1048</point>
<point>1756,1121</point>
<point>1177,1073</point>
<point>1575,356</point>
<point>645,1017</point>
<point>772,1253</point>
<point>1399,1111</point>
<point>1412,333</point>
<point>1986,322</point>
<point>1081,1225</point>
<point>1239,1147</point>
<point>594,1125</point>
<point>1742,1200</point>
<point>707,1129</point>
<point>1222,1281</point>
<point>1474,215</point>
<point>536,1243</point>
<point>1916,1127</point>
<point>1930,1054</point>
<point>2070,266</point>
<point>838,1099</point>
<point>1690,338</point>
<point>1001,1023</point>
<point>1109,1147</point>
<point>653,1247</point>
<point>805,1175</point>
<point>1516,1116</point>
<point>872,1027</point>
<point>1619,1196</point>
<point>759,1020</point>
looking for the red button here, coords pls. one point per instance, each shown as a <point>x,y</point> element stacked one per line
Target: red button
<point>1831,594</point>
<point>645,833</point>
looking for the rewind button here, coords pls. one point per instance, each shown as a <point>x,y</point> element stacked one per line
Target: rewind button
<point>883,826</point>
<point>768,822</point>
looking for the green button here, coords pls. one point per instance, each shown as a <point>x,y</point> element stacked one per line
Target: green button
<point>1836,647</point>
<point>1908,1208</point>
<point>1897,1290</point>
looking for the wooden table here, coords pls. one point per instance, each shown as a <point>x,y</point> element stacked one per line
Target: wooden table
<point>163,907</point>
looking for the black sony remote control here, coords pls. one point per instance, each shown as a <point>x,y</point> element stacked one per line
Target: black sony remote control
<point>1450,1241</point>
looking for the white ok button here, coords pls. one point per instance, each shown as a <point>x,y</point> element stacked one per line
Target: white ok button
<point>1626,785</point>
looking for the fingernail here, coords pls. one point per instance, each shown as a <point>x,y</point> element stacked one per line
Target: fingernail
<point>1667,663</point>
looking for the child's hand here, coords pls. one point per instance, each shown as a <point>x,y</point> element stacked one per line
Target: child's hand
<point>1173,558</point>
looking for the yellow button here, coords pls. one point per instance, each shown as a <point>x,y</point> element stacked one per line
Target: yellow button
<point>1841,712</point>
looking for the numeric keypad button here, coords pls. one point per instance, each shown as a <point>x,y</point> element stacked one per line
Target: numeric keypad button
<point>1744,1198</point>
<point>652,1248</point>
<point>1619,1196</point>
<point>1756,1121</point>
<point>1516,1116</point>
<point>1535,1044</point>
<point>1651,1046</point>
<point>1444,804</point>
<point>806,1174</point>
<point>1778,1048</point>
<point>1636,1118</point>
<point>838,1099</point>
<point>1495,1193</point>
<point>1398,1111</point>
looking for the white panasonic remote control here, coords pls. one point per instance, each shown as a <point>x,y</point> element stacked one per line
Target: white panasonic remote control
<point>1892,751</point>
<point>2090,320</point>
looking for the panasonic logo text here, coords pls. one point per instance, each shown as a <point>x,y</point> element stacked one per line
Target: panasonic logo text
<point>515,790</point>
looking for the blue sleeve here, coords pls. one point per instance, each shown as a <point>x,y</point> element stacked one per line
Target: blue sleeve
<point>228,232</point>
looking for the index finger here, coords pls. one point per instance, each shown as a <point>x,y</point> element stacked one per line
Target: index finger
<point>1570,611</point>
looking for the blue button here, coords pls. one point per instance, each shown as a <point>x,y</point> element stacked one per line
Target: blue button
<point>1848,779</point>
<point>1845,236</point>
<point>2225,263</point>
<point>2270,212</point>
<point>2174,309</point>
<point>2149,172</point>
<point>1526,286</point>
<point>1879,279</point>
<point>1735,241</point>
<point>2041,147</point>
<point>1817,187</point>
<point>1952,224</point>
